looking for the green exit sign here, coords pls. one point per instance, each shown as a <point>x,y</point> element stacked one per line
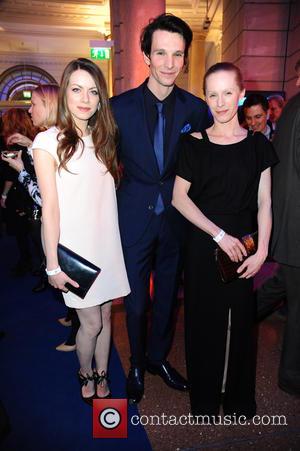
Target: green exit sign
<point>98,53</point>
<point>26,94</point>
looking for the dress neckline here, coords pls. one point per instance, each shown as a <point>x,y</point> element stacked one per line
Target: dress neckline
<point>206,138</point>
<point>89,136</point>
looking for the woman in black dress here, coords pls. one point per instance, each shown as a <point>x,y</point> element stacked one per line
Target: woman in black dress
<point>222,187</point>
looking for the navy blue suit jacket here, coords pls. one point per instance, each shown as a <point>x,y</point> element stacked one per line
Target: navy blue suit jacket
<point>142,181</point>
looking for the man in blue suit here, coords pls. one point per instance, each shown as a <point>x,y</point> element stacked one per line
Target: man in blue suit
<point>150,119</point>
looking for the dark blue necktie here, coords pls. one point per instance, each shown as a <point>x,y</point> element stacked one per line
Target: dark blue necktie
<point>159,150</point>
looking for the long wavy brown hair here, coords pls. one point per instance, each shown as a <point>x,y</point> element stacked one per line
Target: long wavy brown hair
<point>17,120</point>
<point>102,123</point>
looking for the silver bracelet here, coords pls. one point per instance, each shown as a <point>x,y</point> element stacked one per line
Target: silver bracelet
<point>53,272</point>
<point>218,237</point>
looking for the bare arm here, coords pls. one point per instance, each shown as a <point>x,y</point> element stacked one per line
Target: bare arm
<point>264,220</point>
<point>15,163</point>
<point>17,138</point>
<point>231,245</point>
<point>45,168</point>
<point>25,178</point>
<point>7,186</point>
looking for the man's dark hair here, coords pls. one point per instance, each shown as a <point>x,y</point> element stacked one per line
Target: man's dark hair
<point>256,99</point>
<point>297,66</point>
<point>278,98</point>
<point>166,22</point>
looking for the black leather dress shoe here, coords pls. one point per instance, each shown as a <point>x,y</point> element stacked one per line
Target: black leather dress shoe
<point>169,375</point>
<point>135,385</point>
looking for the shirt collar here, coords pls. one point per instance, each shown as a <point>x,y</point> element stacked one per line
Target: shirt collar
<point>267,131</point>
<point>153,99</point>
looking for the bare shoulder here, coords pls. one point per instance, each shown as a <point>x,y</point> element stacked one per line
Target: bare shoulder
<point>197,135</point>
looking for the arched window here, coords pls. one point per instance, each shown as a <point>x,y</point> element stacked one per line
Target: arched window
<point>17,79</point>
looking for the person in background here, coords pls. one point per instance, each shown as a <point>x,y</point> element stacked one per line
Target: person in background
<point>297,69</point>
<point>272,297</point>
<point>77,171</point>
<point>43,112</point>
<point>223,188</point>
<point>256,110</point>
<point>2,176</point>
<point>276,105</point>
<point>150,119</point>
<point>20,205</point>
<point>285,245</point>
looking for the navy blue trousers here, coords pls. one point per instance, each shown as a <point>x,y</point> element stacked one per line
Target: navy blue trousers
<point>158,250</point>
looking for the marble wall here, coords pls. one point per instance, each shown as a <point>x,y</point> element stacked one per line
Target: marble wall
<point>260,37</point>
<point>293,49</point>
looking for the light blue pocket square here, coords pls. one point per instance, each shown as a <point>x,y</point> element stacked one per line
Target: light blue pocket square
<point>186,128</point>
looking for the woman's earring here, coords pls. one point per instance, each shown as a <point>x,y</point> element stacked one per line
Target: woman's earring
<point>99,106</point>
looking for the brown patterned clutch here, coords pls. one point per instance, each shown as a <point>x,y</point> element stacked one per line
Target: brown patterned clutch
<point>227,267</point>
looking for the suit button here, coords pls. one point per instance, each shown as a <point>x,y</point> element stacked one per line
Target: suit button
<point>150,207</point>
<point>161,183</point>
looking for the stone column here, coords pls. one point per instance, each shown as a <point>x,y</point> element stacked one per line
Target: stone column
<point>128,18</point>
<point>196,64</point>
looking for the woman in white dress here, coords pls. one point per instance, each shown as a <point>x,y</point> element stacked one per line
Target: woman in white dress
<point>77,172</point>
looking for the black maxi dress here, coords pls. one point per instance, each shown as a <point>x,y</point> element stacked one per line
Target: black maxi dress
<point>224,185</point>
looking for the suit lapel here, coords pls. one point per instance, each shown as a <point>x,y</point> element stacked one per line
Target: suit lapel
<point>178,119</point>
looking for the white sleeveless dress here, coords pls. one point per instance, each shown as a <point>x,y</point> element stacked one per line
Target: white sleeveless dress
<point>89,219</point>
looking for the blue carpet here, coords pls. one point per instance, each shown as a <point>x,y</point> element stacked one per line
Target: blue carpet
<point>39,388</point>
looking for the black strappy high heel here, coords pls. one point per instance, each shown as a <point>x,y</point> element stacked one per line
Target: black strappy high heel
<point>83,380</point>
<point>99,379</point>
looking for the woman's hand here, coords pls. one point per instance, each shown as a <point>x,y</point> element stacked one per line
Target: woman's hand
<point>251,266</point>
<point>15,163</point>
<point>17,138</point>
<point>233,247</point>
<point>59,281</point>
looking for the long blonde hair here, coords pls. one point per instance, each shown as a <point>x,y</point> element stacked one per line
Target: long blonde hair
<point>49,96</point>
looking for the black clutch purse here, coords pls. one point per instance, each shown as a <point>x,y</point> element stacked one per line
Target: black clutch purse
<point>227,267</point>
<point>78,269</point>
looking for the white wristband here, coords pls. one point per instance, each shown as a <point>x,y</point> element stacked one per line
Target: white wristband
<point>53,272</point>
<point>218,237</point>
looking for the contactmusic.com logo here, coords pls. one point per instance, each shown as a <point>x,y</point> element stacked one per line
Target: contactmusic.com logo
<point>110,418</point>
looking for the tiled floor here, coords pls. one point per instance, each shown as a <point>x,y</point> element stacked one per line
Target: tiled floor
<point>271,401</point>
